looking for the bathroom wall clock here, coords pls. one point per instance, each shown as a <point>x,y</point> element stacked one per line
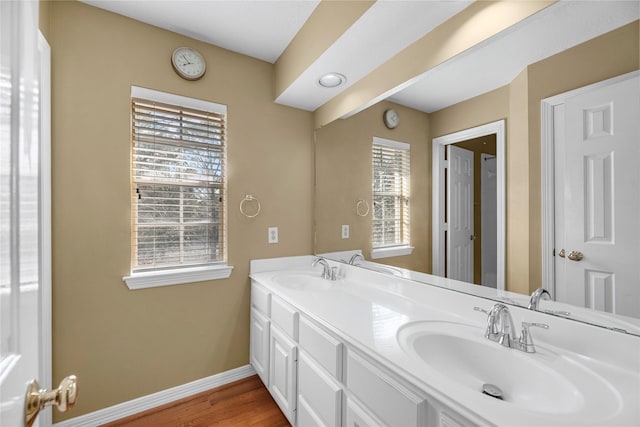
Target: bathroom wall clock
<point>391,118</point>
<point>188,63</point>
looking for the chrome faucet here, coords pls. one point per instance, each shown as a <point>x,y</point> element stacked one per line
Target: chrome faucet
<point>354,258</point>
<point>500,326</point>
<point>543,294</point>
<point>536,296</point>
<point>327,272</point>
<point>500,329</point>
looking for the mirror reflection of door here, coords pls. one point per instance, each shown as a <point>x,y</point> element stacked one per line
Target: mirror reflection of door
<point>471,187</point>
<point>597,239</point>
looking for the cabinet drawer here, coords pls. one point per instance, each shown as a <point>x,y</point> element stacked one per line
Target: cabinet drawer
<point>321,393</point>
<point>285,317</point>
<point>441,416</point>
<point>388,400</point>
<point>260,299</point>
<point>358,417</point>
<point>325,349</point>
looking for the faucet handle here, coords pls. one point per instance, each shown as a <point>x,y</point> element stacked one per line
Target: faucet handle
<point>480,309</point>
<point>527,325</point>
<point>526,342</point>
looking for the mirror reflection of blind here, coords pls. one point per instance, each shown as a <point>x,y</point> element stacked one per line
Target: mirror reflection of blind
<point>391,192</point>
<point>178,170</point>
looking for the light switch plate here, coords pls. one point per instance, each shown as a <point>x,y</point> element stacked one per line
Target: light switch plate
<point>345,231</point>
<point>273,234</point>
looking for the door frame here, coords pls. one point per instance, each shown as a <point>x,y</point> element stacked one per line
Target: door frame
<point>439,225</point>
<point>45,418</point>
<point>547,160</point>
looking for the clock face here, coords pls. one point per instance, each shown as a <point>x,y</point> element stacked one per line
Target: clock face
<point>188,63</point>
<point>391,118</point>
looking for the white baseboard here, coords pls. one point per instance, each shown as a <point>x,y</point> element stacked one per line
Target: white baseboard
<point>154,400</point>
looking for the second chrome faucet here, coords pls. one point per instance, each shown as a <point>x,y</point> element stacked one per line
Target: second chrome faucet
<point>328,272</point>
<point>500,329</point>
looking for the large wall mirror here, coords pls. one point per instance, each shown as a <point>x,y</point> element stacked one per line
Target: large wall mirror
<point>519,181</point>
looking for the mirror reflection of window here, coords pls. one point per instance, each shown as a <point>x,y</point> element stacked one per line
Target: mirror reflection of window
<point>391,193</point>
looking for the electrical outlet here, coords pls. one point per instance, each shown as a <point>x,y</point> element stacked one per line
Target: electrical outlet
<point>273,234</point>
<point>345,231</point>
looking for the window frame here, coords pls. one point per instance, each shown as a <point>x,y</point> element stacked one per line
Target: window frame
<point>142,277</point>
<point>399,248</point>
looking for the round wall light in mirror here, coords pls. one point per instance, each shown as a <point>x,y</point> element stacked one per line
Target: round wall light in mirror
<point>330,80</point>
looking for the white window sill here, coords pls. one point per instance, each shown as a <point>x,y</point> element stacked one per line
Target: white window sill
<point>152,279</point>
<point>391,251</point>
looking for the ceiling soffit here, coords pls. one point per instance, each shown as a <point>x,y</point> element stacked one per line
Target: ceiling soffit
<point>475,24</point>
<point>377,31</point>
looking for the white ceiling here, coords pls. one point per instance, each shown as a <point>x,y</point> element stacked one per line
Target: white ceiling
<point>258,28</point>
<point>263,29</point>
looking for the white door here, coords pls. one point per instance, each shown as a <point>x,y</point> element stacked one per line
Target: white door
<point>19,211</point>
<point>460,235</point>
<point>597,136</point>
<point>25,239</point>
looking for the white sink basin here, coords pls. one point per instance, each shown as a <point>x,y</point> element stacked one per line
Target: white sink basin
<point>304,281</point>
<point>544,382</point>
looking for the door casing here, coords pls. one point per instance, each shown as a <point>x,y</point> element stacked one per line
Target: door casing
<point>439,225</point>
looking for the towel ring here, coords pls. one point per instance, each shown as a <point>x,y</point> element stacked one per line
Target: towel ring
<point>249,198</point>
<point>362,205</point>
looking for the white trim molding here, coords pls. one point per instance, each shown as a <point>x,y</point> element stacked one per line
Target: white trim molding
<point>391,251</point>
<point>154,278</point>
<point>154,400</point>
<point>44,52</point>
<point>439,224</point>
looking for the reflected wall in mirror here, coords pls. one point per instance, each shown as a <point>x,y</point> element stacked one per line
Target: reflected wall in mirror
<point>343,159</point>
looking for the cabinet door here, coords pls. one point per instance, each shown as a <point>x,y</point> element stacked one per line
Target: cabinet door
<point>259,348</point>
<point>282,373</point>
<point>390,401</point>
<point>319,393</point>
<point>356,416</point>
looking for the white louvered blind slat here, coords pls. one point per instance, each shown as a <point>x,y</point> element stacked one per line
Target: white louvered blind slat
<point>178,173</point>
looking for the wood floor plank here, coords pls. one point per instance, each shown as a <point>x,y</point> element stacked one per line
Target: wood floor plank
<point>242,403</point>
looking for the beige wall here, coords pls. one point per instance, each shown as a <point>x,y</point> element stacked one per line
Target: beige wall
<point>517,188</point>
<point>124,344</point>
<point>343,176</point>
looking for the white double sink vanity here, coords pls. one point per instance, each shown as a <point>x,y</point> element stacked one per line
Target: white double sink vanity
<point>372,349</point>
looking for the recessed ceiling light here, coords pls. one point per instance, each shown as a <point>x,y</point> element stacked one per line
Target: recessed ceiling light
<point>332,80</point>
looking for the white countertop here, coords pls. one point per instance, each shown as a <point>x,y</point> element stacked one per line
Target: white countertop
<point>366,309</point>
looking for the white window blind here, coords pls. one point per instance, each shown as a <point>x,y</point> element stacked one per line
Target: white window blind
<point>178,177</point>
<point>391,179</point>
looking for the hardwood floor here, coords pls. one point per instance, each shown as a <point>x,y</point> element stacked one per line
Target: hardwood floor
<point>242,403</point>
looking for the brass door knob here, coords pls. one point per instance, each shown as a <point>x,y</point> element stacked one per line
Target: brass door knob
<point>575,256</point>
<point>64,397</point>
<point>561,253</point>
